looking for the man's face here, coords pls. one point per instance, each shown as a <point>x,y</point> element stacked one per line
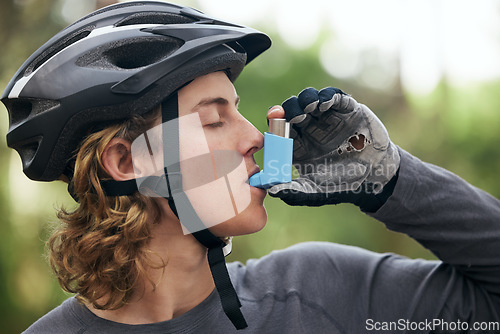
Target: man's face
<point>210,125</point>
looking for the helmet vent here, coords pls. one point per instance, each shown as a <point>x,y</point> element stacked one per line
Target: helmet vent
<point>141,52</point>
<point>154,18</point>
<point>22,109</point>
<point>55,48</point>
<point>19,110</point>
<point>107,8</point>
<point>28,150</point>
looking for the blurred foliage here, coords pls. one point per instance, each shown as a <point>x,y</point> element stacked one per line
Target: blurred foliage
<point>454,127</point>
<point>27,288</point>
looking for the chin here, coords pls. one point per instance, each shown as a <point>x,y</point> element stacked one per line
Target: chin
<point>251,220</point>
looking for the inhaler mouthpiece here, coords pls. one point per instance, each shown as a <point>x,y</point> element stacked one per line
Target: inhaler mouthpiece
<point>278,152</point>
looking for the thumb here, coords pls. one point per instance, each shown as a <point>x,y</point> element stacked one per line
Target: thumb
<point>279,189</point>
<point>298,192</point>
<point>290,193</point>
<point>300,185</point>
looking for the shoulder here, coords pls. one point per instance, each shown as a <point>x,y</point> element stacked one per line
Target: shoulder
<point>61,319</point>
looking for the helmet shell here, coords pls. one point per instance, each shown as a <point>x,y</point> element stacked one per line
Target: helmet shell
<point>116,62</point>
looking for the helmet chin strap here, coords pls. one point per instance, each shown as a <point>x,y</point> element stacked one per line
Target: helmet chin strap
<point>179,204</point>
<point>216,259</point>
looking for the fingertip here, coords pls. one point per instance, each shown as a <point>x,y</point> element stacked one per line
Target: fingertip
<point>276,111</point>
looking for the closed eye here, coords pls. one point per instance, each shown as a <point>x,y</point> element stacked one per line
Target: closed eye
<point>216,125</point>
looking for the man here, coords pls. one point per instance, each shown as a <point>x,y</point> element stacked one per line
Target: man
<point>135,108</point>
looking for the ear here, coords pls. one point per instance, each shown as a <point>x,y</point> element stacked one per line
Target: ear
<point>117,159</point>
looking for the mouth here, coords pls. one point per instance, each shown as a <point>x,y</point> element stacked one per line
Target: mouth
<point>253,172</point>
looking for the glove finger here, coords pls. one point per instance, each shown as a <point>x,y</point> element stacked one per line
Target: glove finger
<point>308,100</point>
<point>293,112</point>
<point>329,96</point>
<point>334,98</point>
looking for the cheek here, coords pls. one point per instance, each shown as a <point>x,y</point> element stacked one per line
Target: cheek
<point>217,189</point>
<point>217,139</point>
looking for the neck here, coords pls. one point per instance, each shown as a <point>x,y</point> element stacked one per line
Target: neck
<point>184,283</point>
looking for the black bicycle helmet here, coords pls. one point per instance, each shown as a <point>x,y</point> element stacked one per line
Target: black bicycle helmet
<point>121,60</point>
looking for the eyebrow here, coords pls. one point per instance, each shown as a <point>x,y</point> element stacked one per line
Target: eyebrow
<point>216,100</point>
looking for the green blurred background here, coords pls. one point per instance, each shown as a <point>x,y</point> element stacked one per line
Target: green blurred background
<point>428,69</point>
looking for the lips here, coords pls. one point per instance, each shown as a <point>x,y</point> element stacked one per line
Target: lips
<point>254,171</point>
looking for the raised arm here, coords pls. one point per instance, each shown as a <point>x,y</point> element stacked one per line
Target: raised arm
<point>343,154</point>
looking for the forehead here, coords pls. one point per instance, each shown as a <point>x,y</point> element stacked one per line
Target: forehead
<point>210,86</point>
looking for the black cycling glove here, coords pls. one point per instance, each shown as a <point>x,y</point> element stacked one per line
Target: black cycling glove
<point>342,152</point>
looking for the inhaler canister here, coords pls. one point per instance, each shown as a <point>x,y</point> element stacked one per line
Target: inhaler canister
<point>279,127</point>
<point>278,153</point>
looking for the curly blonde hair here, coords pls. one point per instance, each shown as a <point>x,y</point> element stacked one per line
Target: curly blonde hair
<point>99,250</point>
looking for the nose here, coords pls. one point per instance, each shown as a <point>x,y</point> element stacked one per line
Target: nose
<point>250,140</point>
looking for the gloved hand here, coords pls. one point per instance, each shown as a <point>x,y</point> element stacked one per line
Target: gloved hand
<point>341,150</point>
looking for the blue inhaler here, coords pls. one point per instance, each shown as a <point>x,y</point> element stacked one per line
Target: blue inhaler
<point>278,152</point>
